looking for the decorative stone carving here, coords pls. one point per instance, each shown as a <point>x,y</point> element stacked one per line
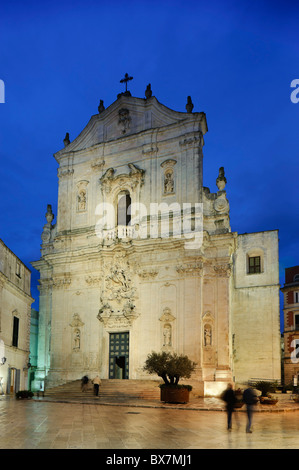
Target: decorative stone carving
<point>82,196</point>
<point>64,172</point>
<point>148,91</point>
<point>101,107</point>
<point>66,140</point>
<point>124,181</point>
<point>167,335</point>
<point>97,164</point>
<point>222,270</point>
<point>221,204</point>
<point>46,235</point>
<point>76,321</point>
<point>76,324</point>
<point>209,354</point>
<point>167,315</point>
<point>61,282</point>
<point>189,105</point>
<point>106,180</point>
<point>168,182</point>
<point>148,275</point>
<point>76,340</point>
<point>207,335</point>
<point>192,140</point>
<point>118,294</point>
<point>93,280</point>
<point>167,330</point>
<point>221,180</point>
<point>149,149</point>
<point>190,269</point>
<point>124,120</point>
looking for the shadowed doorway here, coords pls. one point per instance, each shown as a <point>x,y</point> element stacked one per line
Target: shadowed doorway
<point>119,355</point>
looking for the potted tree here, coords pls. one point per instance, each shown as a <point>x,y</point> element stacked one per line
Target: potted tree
<point>171,368</point>
<point>266,387</point>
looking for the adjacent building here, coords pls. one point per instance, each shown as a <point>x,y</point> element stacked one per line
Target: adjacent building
<point>141,257</point>
<point>15,312</point>
<point>291,325</point>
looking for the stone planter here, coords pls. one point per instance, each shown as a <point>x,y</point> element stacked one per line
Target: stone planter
<point>174,395</point>
<point>239,404</point>
<point>268,401</point>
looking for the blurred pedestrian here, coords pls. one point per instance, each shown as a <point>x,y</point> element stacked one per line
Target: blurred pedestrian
<point>84,383</point>
<point>96,385</point>
<point>229,397</point>
<point>250,399</point>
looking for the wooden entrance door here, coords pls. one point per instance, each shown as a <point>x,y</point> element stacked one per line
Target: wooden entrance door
<point>119,355</point>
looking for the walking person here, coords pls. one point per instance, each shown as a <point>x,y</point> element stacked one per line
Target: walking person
<point>84,383</point>
<point>250,399</point>
<point>96,385</point>
<point>230,399</point>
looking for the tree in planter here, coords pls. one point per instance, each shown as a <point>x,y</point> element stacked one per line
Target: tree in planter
<point>170,367</point>
<point>265,387</point>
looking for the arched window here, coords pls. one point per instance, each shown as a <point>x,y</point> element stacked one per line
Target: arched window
<point>124,208</point>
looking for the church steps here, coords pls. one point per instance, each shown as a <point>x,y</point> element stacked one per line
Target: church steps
<point>109,389</point>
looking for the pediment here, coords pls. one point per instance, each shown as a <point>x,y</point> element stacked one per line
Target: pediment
<point>127,116</point>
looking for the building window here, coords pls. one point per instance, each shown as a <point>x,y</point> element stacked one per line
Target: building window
<point>296,297</point>
<point>18,269</point>
<point>254,265</point>
<point>124,209</point>
<point>296,278</point>
<point>15,332</point>
<point>296,322</point>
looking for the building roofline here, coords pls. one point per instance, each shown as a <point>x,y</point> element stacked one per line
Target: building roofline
<point>22,262</point>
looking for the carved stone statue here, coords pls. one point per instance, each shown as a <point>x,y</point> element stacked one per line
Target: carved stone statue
<point>148,91</point>
<point>82,200</point>
<point>168,182</point>
<point>101,106</point>
<point>208,336</point>
<point>189,105</point>
<point>77,339</point>
<point>66,140</point>
<point>167,335</point>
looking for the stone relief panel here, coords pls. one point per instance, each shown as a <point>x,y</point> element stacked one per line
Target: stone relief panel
<point>118,294</point>
<point>124,120</point>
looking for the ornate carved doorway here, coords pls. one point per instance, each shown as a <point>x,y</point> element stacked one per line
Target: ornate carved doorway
<point>119,355</point>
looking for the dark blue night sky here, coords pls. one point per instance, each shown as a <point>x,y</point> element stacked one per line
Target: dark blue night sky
<point>236,59</point>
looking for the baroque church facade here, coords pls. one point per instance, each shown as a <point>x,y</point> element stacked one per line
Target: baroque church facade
<point>142,257</point>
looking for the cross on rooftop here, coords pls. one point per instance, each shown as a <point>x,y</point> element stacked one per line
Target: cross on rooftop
<point>125,80</point>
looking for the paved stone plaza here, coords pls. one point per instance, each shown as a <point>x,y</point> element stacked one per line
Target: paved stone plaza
<point>33,424</point>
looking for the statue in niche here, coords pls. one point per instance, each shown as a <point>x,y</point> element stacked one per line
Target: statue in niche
<point>207,336</point>
<point>168,182</point>
<point>167,335</point>
<point>77,339</point>
<point>82,200</point>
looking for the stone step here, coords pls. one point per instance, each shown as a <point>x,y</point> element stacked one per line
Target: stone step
<point>109,389</point>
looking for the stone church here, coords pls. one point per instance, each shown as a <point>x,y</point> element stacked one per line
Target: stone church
<point>142,258</point>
